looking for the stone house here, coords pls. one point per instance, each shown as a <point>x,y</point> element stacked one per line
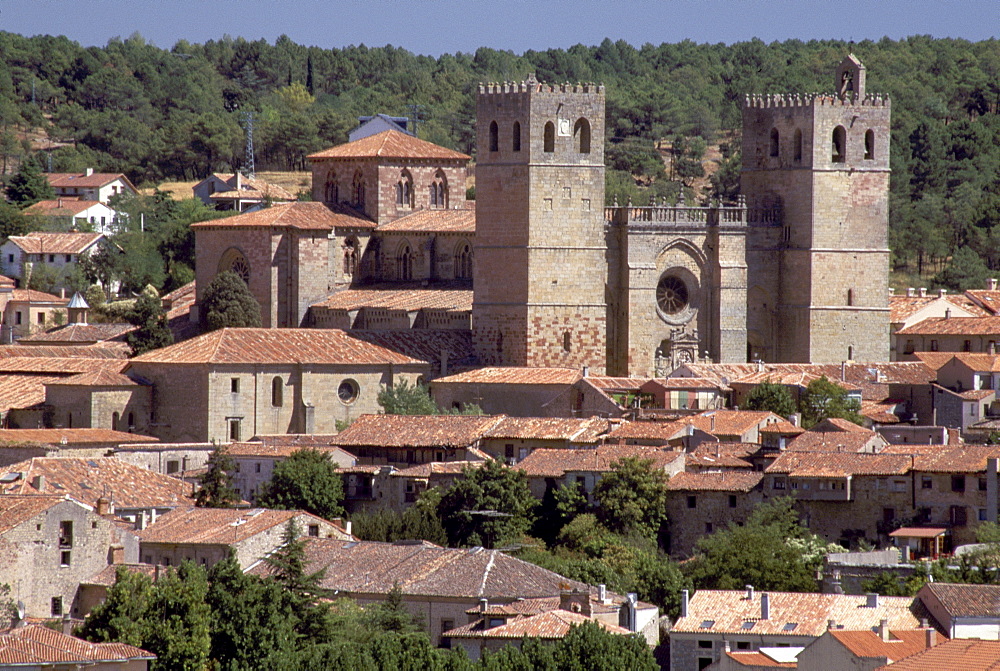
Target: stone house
<point>917,305</point>
<point>206,535</point>
<point>76,214</point>
<point>90,185</point>
<point>838,650</point>
<point>949,334</point>
<point>51,543</point>
<point>230,384</point>
<point>40,648</point>
<point>964,611</point>
<point>406,440</point>
<point>405,485</point>
<point>100,399</point>
<point>735,426</point>
<point>713,621</point>
<point>57,252</point>
<point>514,438</point>
<point>837,435</point>
<point>78,443</point>
<point>254,461</point>
<point>702,503</point>
<point>517,392</point>
<point>174,459</point>
<point>954,654</point>
<point>27,312</point>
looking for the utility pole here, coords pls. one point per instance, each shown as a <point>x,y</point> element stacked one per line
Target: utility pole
<point>415,110</point>
<point>248,166</point>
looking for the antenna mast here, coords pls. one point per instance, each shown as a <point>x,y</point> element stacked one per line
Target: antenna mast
<point>248,166</point>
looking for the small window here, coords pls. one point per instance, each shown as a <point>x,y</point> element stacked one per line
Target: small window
<point>850,296</point>
<point>742,645</point>
<point>173,466</point>
<point>516,140</point>
<point>704,663</point>
<point>934,345</point>
<point>774,142</point>
<point>65,557</point>
<point>314,530</point>
<point>52,258</point>
<point>926,482</point>
<point>982,514</point>
<point>234,385</point>
<point>66,534</point>
<point>18,317</point>
<point>494,137</point>
<point>790,626</point>
<point>93,525</point>
<point>708,527</point>
<point>966,345</point>
<point>57,608</point>
<point>869,144</point>
<point>732,500</point>
<point>779,483</point>
<point>982,484</point>
<point>707,624</point>
<point>567,341</point>
<point>705,644</point>
<point>839,145</point>
<point>692,502</point>
<point>958,483</point>
<point>234,430</point>
<point>549,137</point>
<point>41,317</point>
<point>748,625</point>
<point>257,467</point>
<point>908,348</point>
<point>798,144</point>
<point>581,135</point>
<point>277,392</point>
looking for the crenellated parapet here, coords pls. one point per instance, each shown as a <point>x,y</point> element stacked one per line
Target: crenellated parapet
<point>806,101</point>
<point>532,85</point>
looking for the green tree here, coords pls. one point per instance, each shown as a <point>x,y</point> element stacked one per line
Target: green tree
<point>153,332</point>
<point>589,646</point>
<point>632,498</point>
<point>966,270</point>
<point>307,480</point>
<point>560,506</point>
<point>402,399</point>
<point>488,506</point>
<point>29,185</point>
<point>289,565</point>
<point>12,222</point>
<point>228,303</point>
<point>216,490</point>
<point>824,400</point>
<point>771,396</point>
<point>419,521</point>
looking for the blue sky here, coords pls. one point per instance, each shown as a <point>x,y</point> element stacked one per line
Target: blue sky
<point>446,26</point>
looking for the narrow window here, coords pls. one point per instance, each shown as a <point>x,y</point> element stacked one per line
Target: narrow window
<point>234,385</point>
<point>567,341</point>
<point>798,144</point>
<point>115,420</point>
<point>234,429</point>
<point>66,534</point>
<point>732,500</point>
<point>967,346</point>
<point>65,557</point>
<point>869,144</point>
<point>839,144</point>
<point>692,502</point>
<point>277,392</point>
<point>549,137</point>
<point>934,345</point>
<point>494,136</point>
<point>516,143</point>
<point>850,352</point>
<point>404,263</point>
<point>850,296</point>
<point>131,422</point>
<point>774,142</point>
<point>581,133</point>
<point>56,609</point>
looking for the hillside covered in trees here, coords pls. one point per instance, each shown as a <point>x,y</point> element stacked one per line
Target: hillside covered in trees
<point>156,114</point>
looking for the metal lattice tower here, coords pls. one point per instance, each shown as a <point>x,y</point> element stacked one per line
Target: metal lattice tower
<point>248,166</point>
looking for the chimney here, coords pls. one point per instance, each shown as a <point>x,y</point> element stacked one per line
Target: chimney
<point>59,203</point>
<point>930,634</point>
<point>727,646</point>
<point>923,292</point>
<point>88,172</point>
<point>947,313</point>
<point>602,593</point>
<point>239,180</point>
<point>103,505</point>
<point>444,362</point>
<point>117,554</point>
<point>883,630</point>
<point>911,292</point>
<point>484,605</point>
<point>942,293</point>
<point>749,592</point>
<point>67,625</point>
<point>586,371</point>
<point>993,347</point>
<point>795,418</point>
<point>347,527</point>
<point>831,624</point>
<point>871,600</point>
<point>892,292</point>
<point>843,371</point>
<point>765,606</point>
<point>38,482</point>
<point>713,423</point>
<point>685,600</point>
<point>991,284</point>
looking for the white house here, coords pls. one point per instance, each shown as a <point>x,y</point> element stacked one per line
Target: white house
<point>83,215</point>
<point>90,185</point>
<point>58,251</point>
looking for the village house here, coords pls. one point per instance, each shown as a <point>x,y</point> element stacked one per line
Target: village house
<point>28,311</point>
<point>205,536</point>
<point>254,461</point>
<point>919,304</point>
<point>90,185</point>
<point>517,392</point>
<point>702,503</point>
<point>837,435</point>
<point>949,334</point>
<point>514,438</point>
<point>405,485</point>
<point>53,542</point>
<point>56,253</point>
<point>840,650</point>
<point>955,654</point>
<point>964,611</point>
<point>713,621</point>
<point>405,440</point>
<point>166,458</point>
<point>238,192</point>
<point>735,426</point>
<point>21,444</point>
<point>40,648</point>
<point>100,400</point>
<point>75,214</point>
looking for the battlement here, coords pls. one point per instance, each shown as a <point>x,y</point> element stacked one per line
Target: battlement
<point>532,85</point>
<point>809,100</point>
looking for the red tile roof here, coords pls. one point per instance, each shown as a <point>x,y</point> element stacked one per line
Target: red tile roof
<point>727,481</point>
<point>405,431</point>
<point>422,345</point>
<point>436,468</point>
<point>550,428</point>
<point>555,463</point>
<point>390,144</point>
<point>37,646</point>
<point>837,441</point>
<point>392,297</point>
<point>989,300</point>
<point>754,659</point>
<point>62,180</point>
<point>60,207</point>
<point>221,526</point>
<point>901,643</point>
<point>838,464</point>
<point>252,184</point>
<point>38,242</point>
<point>730,422</point>
<point>947,458</point>
<point>275,346</point>
<point>512,375</point>
<point>961,600</point>
<point>722,455</point>
<point>97,378</point>
<point>783,427</point>
<point>62,352</point>
<point>434,221</point>
<point>648,430</point>
<point>72,436</point>
<point>23,391</point>
<point>954,326</point>
<point>52,365</point>
<point>15,510</point>
<point>612,384</point>
<point>964,654</point>
<point>297,215</point>
<point>551,625</point>
<point>81,333</point>
<point>32,296</point>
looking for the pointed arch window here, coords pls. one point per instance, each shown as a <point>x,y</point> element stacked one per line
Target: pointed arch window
<point>234,260</point>
<point>350,257</point>
<point>549,137</point>
<point>869,144</point>
<point>775,142</point>
<point>839,146</point>
<point>404,190</point>
<point>439,191</point>
<point>331,192</point>
<point>358,189</point>
<point>463,261</point>
<point>494,136</point>
<point>798,144</point>
<point>516,140</point>
<point>404,262</point>
<point>581,135</point>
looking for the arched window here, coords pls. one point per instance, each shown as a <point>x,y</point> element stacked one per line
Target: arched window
<point>549,137</point>
<point>439,191</point>
<point>869,144</point>
<point>358,189</point>
<point>463,261</point>
<point>581,135</point>
<point>567,341</point>
<point>331,193</point>
<point>277,392</point>
<point>115,419</point>
<point>404,190</point>
<point>350,257</point>
<point>516,144</point>
<point>131,421</point>
<point>234,260</point>
<point>839,144</point>
<point>798,144</point>
<point>404,262</point>
<point>774,142</point>
<point>494,136</point>
<point>850,296</point>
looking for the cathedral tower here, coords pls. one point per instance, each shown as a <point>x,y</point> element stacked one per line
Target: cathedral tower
<point>540,271</point>
<point>816,179</point>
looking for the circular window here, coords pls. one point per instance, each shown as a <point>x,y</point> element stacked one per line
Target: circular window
<point>671,295</point>
<point>348,391</point>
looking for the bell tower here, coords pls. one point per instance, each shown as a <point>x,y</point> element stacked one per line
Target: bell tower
<point>540,273</point>
<point>816,180</point>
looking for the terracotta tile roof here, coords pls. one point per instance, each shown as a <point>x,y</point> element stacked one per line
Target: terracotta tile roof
<point>98,378</point>
<point>405,431</point>
<point>648,430</point>
<point>836,441</point>
<point>901,644</point>
<point>726,611</point>
<point>902,308</point>
<point>800,378</point>
<point>730,422</point>
<point>617,383</point>
<point>422,345</point>
<point>436,468</point>
<point>550,428</point>
<point>81,333</point>
<point>252,194</point>
<point>275,346</point>
<point>722,455</point>
<point>425,569</point>
<point>961,600</point>
<point>72,436</point>
<point>551,625</point>
<point>390,144</point>
<point>555,462</point>
<point>947,458</point>
<point>253,184</point>
<point>977,362</point>
<point>62,180</point>
<point>6,282</point>
<point>62,352</point>
<point>512,375</point>
<point>687,383</point>
<point>15,510</point>
<point>783,427</point>
<point>60,207</point>
<point>977,394</point>
<point>297,215</point>
<point>434,221</point>
<point>964,654</point>
<point>881,412</point>
<point>838,425</point>
<point>886,372</point>
<point>107,576</point>
<point>38,646</point>
<point>754,659</point>
<point>392,297</point>
<point>32,296</point>
<point>86,479</point>
<point>184,295</point>
<point>38,242</point>
<point>50,365</point>
<point>283,450</point>
<point>23,391</point>
<point>220,526</point>
<point>954,326</point>
<point>838,464</point>
<point>918,532</point>
<point>988,300</point>
<point>727,481</point>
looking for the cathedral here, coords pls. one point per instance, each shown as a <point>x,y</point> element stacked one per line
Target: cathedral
<point>538,271</point>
